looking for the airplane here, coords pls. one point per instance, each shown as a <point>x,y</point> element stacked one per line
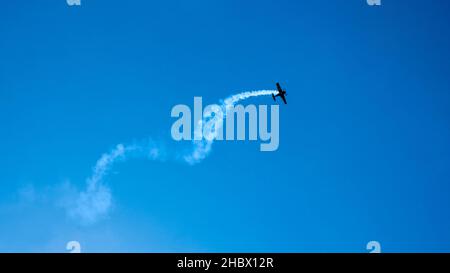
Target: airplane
<point>281,93</point>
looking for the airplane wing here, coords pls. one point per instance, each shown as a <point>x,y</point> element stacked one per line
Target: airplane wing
<point>284,99</point>
<point>279,88</point>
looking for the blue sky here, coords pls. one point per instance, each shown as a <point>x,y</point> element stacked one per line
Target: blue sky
<point>364,141</point>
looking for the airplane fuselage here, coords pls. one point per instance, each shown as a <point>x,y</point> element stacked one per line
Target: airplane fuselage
<point>281,93</point>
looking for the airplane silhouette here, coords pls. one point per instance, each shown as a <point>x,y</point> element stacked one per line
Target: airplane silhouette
<point>281,93</point>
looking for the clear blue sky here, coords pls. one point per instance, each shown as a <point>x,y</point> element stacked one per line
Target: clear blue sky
<point>364,142</point>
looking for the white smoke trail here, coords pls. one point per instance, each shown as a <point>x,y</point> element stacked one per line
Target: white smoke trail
<point>203,147</point>
<point>232,100</point>
<point>96,200</point>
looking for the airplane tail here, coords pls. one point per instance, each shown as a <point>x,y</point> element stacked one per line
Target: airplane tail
<point>273,97</point>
